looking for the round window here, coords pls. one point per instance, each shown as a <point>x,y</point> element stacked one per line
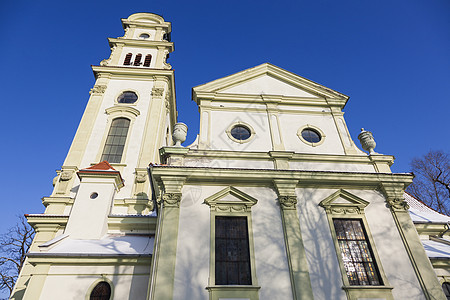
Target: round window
<point>240,132</point>
<point>311,135</point>
<point>94,195</point>
<point>144,36</point>
<point>127,97</point>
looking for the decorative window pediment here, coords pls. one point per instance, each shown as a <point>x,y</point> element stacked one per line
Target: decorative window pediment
<point>343,202</point>
<point>230,199</point>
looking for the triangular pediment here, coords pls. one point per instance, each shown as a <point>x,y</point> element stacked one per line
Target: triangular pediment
<point>267,79</point>
<point>341,199</point>
<point>230,196</point>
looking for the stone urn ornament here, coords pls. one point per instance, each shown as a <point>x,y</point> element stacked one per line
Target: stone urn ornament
<point>179,134</point>
<point>367,141</point>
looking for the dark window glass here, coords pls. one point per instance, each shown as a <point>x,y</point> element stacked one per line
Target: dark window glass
<point>115,141</point>
<point>144,36</point>
<point>147,60</point>
<point>127,60</point>
<point>102,291</point>
<point>232,252</point>
<point>240,132</point>
<point>446,288</point>
<point>311,135</point>
<point>356,252</point>
<point>137,60</point>
<point>127,97</point>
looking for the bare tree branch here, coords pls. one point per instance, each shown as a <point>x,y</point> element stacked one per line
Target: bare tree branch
<point>432,182</point>
<point>14,245</point>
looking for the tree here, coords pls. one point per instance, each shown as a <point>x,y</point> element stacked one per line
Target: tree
<point>14,245</point>
<point>432,182</point>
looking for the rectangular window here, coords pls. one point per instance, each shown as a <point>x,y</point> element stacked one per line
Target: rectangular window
<point>232,255</point>
<point>356,253</point>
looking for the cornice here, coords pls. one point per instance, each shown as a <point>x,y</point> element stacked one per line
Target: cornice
<point>265,177</point>
<point>56,258</point>
<point>280,99</point>
<point>140,43</point>
<point>294,157</point>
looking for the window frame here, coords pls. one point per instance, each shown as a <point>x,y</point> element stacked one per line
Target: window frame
<point>114,112</point>
<point>314,128</point>
<point>231,137</point>
<point>353,208</point>
<point>112,144</point>
<point>238,207</point>
<point>94,284</point>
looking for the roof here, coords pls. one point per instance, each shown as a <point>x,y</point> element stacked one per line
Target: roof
<point>436,249</point>
<point>108,245</point>
<point>420,212</point>
<point>103,166</point>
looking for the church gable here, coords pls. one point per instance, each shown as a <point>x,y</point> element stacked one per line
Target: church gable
<point>266,79</point>
<point>267,85</point>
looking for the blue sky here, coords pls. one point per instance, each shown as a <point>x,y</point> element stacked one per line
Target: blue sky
<point>391,57</point>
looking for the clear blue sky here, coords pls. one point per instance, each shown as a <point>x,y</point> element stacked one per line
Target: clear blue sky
<point>391,57</point>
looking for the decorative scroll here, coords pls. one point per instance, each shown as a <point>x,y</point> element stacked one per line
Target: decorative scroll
<point>171,199</point>
<point>397,204</point>
<point>288,202</point>
<point>157,92</point>
<point>97,89</point>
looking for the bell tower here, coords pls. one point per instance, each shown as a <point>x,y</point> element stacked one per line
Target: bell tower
<point>103,182</point>
<point>131,110</point>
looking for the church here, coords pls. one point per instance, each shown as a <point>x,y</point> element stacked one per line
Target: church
<point>273,200</point>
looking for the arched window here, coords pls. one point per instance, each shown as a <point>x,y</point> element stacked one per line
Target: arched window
<point>446,288</point>
<point>148,60</point>
<point>102,291</point>
<point>127,60</point>
<point>137,60</point>
<point>115,142</point>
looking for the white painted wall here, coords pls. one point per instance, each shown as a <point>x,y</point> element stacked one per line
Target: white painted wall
<point>326,278</point>
<point>193,248</point>
<point>73,282</point>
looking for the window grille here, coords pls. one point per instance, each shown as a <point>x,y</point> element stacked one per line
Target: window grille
<point>356,252</point>
<point>115,142</point>
<point>232,256</point>
<point>147,60</point>
<point>102,291</point>
<point>137,60</point>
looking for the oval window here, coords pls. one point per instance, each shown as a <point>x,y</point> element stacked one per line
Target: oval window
<point>311,135</point>
<point>102,291</point>
<point>127,97</point>
<point>240,132</point>
<point>144,36</point>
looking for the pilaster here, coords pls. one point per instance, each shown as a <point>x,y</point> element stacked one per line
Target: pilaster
<point>295,250</point>
<point>416,253</point>
<point>163,267</point>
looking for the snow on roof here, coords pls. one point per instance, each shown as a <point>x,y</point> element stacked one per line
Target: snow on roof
<point>419,212</point>
<point>436,249</point>
<point>114,245</point>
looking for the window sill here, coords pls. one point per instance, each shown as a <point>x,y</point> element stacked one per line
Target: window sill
<point>234,287</point>
<point>367,287</point>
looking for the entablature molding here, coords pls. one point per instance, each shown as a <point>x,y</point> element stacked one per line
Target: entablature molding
<point>265,177</point>
<point>140,43</point>
<point>292,156</point>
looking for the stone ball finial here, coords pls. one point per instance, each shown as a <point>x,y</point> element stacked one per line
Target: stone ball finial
<point>367,141</point>
<point>179,133</point>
